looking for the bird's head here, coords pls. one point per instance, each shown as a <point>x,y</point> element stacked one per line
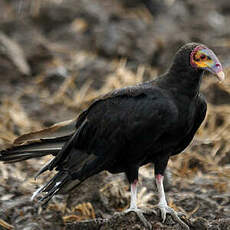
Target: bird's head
<point>195,57</point>
<point>202,57</point>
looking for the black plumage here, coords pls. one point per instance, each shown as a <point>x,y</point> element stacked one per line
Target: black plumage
<point>126,128</point>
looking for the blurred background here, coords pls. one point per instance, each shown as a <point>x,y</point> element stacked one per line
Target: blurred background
<point>56,56</point>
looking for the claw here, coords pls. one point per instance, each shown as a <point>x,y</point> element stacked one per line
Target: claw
<point>163,214</point>
<point>141,216</point>
<point>166,209</point>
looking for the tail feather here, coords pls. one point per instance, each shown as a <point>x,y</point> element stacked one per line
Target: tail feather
<point>21,157</point>
<point>52,187</point>
<point>40,143</point>
<point>73,175</point>
<point>60,129</point>
<point>43,187</point>
<point>32,150</point>
<point>43,169</point>
<point>62,140</point>
<point>35,147</point>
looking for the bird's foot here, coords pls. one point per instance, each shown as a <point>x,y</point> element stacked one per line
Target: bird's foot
<point>140,213</point>
<point>164,209</point>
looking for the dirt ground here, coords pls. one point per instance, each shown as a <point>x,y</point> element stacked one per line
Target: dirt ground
<point>56,56</point>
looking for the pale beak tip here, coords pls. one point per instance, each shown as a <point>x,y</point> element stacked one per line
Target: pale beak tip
<point>221,76</point>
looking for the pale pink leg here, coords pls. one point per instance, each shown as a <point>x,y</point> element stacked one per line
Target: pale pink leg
<point>133,206</point>
<point>133,202</point>
<point>163,206</point>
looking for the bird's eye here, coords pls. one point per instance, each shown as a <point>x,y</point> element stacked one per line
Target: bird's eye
<point>202,56</point>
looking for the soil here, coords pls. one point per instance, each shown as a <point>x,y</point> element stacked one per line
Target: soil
<point>57,56</point>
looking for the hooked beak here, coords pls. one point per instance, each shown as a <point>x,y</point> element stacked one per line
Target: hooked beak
<point>213,65</point>
<point>217,70</point>
<point>220,75</point>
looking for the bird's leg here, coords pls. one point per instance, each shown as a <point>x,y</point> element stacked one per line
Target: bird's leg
<point>133,201</point>
<point>163,206</point>
<point>133,205</point>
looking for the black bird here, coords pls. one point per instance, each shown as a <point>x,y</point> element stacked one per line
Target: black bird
<point>126,129</point>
